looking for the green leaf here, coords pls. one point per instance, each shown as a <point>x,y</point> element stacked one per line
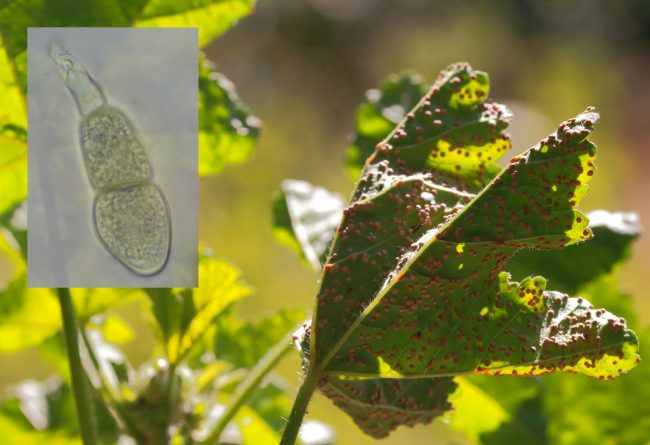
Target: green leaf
<point>227,131</point>
<point>113,328</point>
<point>378,406</point>
<point>378,114</point>
<point>27,316</point>
<point>569,269</point>
<point>13,138</point>
<point>253,429</point>
<point>184,315</point>
<point>305,218</point>
<point>484,405</point>
<point>212,17</point>
<point>414,286</point>
<point>243,343</point>
<point>38,413</point>
<point>88,302</point>
<point>528,426</point>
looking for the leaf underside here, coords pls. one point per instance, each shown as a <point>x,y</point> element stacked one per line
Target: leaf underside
<point>378,406</point>
<point>415,288</point>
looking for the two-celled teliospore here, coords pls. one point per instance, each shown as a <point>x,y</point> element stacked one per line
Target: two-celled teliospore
<point>130,213</point>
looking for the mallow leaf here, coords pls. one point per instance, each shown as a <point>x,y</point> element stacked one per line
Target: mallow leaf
<point>378,406</point>
<point>27,316</point>
<point>227,131</point>
<point>211,17</point>
<point>184,315</point>
<point>13,139</point>
<point>415,286</point>
<point>377,115</point>
<point>305,218</point>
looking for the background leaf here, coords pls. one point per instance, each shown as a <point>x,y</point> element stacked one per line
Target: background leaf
<point>212,17</point>
<point>243,343</point>
<point>377,115</point>
<point>44,413</point>
<point>13,138</point>
<point>227,131</point>
<point>184,315</point>
<point>27,316</point>
<point>305,218</point>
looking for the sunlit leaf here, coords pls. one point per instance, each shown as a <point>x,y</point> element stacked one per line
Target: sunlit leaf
<point>377,115</point>
<point>227,130</point>
<point>253,429</point>
<point>27,316</point>
<point>212,17</point>
<point>305,218</point>
<point>113,328</point>
<point>483,405</point>
<point>414,285</point>
<point>91,301</point>
<point>184,315</point>
<point>272,402</point>
<point>13,138</point>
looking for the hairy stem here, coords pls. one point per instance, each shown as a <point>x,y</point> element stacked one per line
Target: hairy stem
<point>299,408</point>
<point>248,386</point>
<point>85,412</point>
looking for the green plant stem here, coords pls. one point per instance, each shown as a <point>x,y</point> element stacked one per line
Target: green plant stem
<point>300,407</point>
<point>171,394</point>
<point>85,412</point>
<point>248,386</point>
<point>111,396</point>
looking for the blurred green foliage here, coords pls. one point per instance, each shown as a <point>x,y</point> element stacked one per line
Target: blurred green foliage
<point>178,392</point>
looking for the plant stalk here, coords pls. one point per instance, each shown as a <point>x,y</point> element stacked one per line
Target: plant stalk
<point>299,408</point>
<point>248,386</point>
<point>83,401</point>
<point>112,399</point>
<point>171,397</point>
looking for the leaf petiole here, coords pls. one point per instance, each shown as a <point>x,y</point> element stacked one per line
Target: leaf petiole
<point>85,412</point>
<point>248,386</point>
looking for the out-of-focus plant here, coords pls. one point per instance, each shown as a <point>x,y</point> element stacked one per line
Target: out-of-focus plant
<point>207,381</point>
<point>429,282</point>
